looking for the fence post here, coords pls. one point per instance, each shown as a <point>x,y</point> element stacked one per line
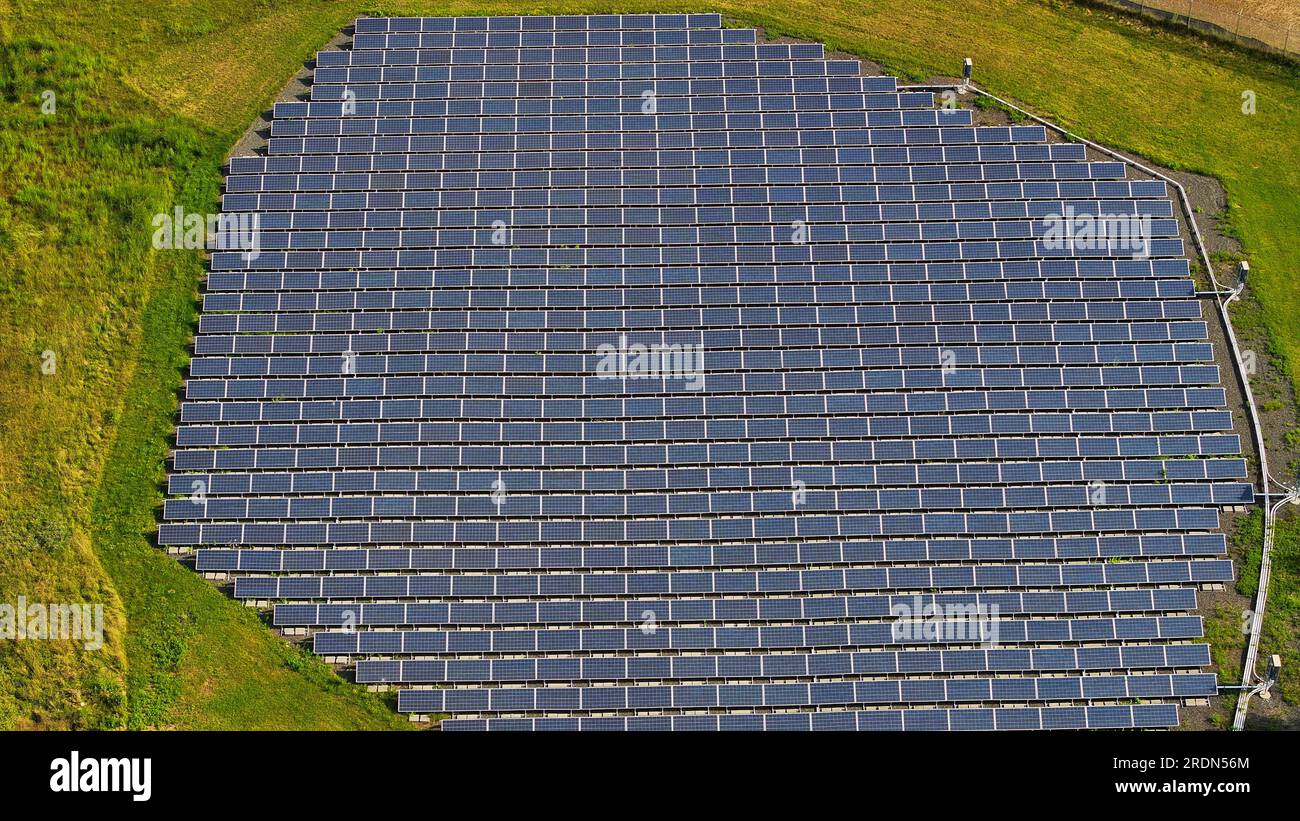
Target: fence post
<point>1188,20</point>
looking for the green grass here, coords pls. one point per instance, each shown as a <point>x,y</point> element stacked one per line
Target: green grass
<point>1281,633</point>
<point>151,95</point>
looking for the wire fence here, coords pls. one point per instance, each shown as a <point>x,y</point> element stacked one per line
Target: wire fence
<point>1226,19</point>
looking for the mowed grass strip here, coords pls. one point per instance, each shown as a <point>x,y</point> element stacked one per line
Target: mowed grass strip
<point>153,95</point>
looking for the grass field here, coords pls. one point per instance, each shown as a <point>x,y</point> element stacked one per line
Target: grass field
<point>151,94</point>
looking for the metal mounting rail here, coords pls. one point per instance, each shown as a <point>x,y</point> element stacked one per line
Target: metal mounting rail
<point>1251,682</point>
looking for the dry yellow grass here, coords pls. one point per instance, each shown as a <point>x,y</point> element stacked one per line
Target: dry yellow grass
<point>213,78</point>
<point>1273,22</point>
<point>1284,12</point>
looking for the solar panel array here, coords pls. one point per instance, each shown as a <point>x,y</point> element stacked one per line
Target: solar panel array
<point>909,405</point>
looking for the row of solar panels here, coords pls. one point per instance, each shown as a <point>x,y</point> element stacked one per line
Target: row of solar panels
<point>1040,181</point>
<point>607,455</point>
<point>542,225</point>
<point>901,273</point>
<point>713,361</point>
<point>567,352</point>
<point>886,195</point>
<point>399,89</point>
<point>348,534</point>
<point>920,134</point>
<point>373,67</point>
<point>402,90</point>
<point>698,286</point>
<point>767,453</point>
<point>745,182</point>
<point>1001,405</point>
<point>521,429</point>
<point>1099,717</point>
<point>572,531</point>
<point>1132,418</point>
<point>429,83</point>
<point>604,457</point>
<point>573,22</point>
<point>684,557</point>
<point>561,38</point>
<point>806,126</point>
<point>656,614</point>
<point>493,291</point>
<point>408,65</point>
<point>902,302</point>
<point>789,338</point>
<point>496,256</point>
<point>522,505</point>
<point>430,50</point>
<point>311,113</point>
<point>473,247</point>
<point>873,247</point>
<point>918,404</point>
<point>917,125</point>
<point>781,665</point>
<point>567,640</point>
<point>611,432</point>
<point>460,586</point>
<point>745,297</point>
<point>630,160</point>
<point>913,691</point>
<point>386,98</point>
<point>693,478</point>
<point>537,321</point>
<point>1060,222</point>
<point>552,40</point>
<point>887,126</point>
<point>755,607</point>
<point>1061,225</point>
<point>521,482</point>
<point>551,386</point>
<point>811,476</point>
<point>721,238</point>
<point>882,426</point>
<point>763,224</point>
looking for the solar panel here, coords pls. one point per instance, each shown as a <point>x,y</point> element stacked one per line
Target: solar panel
<point>626,372</point>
